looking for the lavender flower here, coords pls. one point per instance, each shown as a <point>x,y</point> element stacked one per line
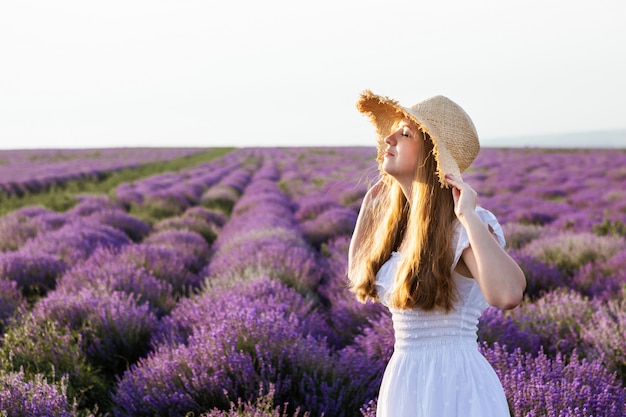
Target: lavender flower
<point>540,277</point>
<point>213,217</point>
<point>193,312</point>
<point>90,204</point>
<point>107,271</point>
<point>247,343</point>
<point>497,327</point>
<point>333,222</point>
<point>21,225</point>
<point>569,251</point>
<point>190,223</point>
<point>20,396</point>
<point>556,321</point>
<point>603,280</point>
<point>133,227</point>
<point>42,347</point>
<point>605,333</point>
<point>164,263</point>
<point>115,329</point>
<point>190,246</point>
<point>10,301</point>
<point>76,241</point>
<point>541,386</point>
<point>34,273</point>
<point>518,235</point>
<point>220,197</point>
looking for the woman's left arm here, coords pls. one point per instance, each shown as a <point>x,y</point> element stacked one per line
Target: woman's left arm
<point>500,278</point>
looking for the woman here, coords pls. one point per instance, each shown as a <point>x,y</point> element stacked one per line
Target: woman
<point>423,248</point>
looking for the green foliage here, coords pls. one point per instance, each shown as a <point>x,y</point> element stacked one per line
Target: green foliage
<point>63,197</point>
<point>154,210</point>
<point>263,406</point>
<point>610,228</point>
<point>46,348</point>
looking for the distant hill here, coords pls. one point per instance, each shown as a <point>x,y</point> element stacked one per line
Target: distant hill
<point>594,139</point>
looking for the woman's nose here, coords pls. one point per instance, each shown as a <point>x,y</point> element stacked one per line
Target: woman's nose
<point>391,139</point>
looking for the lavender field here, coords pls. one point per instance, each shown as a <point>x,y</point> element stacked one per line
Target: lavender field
<point>23,171</point>
<point>220,290</point>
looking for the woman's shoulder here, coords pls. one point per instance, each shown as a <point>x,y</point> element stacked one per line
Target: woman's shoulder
<point>461,238</point>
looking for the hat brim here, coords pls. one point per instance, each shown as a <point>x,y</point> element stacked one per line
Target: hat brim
<point>384,113</point>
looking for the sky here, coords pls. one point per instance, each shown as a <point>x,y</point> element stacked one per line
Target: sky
<point>136,73</point>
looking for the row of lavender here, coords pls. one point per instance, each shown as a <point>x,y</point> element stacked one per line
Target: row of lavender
<point>238,292</point>
<point>24,171</point>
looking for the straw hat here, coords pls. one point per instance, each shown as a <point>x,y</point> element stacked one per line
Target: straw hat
<point>454,136</point>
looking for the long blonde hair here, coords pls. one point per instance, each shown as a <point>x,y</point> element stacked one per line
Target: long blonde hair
<point>425,224</point>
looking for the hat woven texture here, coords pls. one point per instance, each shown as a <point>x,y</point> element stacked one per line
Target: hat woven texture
<point>452,131</point>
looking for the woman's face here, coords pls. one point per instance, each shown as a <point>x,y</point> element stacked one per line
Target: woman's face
<point>401,154</point>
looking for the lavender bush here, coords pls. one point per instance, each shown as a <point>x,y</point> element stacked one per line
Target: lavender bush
<point>37,397</point>
<point>603,280</point>
<point>246,343</point>
<point>38,347</point>
<point>106,271</point>
<point>115,328</point>
<point>76,241</point>
<point>189,245</point>
<point>569,251</point>
<point>554,323</point>
<point>540,386</point>
<point>21,225</point>
<point>10,301</point>
<point>34,273</point>
<point>164,263</point>
<point>605,333</point>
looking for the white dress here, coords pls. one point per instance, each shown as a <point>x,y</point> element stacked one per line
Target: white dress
<point>436,369</point>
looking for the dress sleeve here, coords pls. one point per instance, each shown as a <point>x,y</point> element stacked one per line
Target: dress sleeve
<point>463,243</point>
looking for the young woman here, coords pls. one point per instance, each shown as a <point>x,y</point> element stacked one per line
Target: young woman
<point>423,248</point>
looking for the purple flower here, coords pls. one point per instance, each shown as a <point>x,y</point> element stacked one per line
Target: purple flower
<point>212,217</point>
<point>603,280</point>
<point>23,396</point>
<point>133,227</point>
<point>42,347</point>
<point>538,385</point>
<point>190,246</point>
<point>243,343</point>
<point>35,274</point>
<point>10,301</point>
<point>21,225</point>
<point>569,251</point>
<point>605,333</point>
<point>107,271</point>
<point>190,223</point>
<point>220,197</point>
<point>115,329</point>
<point>333,222</point>
<point>90,204</point>
<point>164,263</point>
<point>497,327</point>
<point>554,321</point>
<point>540,277</point>
<point>75,241</point>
